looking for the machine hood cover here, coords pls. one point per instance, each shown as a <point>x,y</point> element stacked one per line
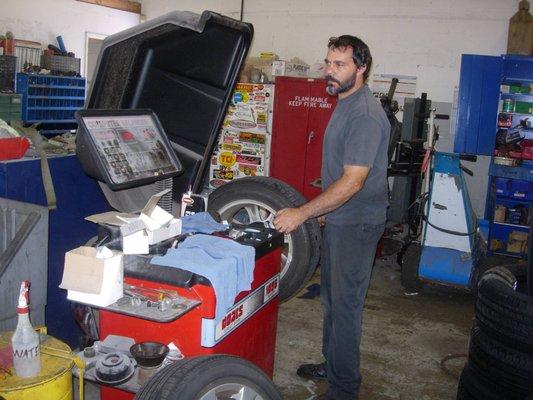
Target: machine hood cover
<point>184,67</point>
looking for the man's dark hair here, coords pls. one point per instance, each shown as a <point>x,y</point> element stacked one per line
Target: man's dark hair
<point>361,52</point>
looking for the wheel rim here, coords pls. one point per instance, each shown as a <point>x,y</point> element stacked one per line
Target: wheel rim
<point>232,391</point>
<point>245,211</point>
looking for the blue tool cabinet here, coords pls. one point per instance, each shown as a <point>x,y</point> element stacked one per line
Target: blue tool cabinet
<point>479,98</point>
<point>488,85</point>
<point>50,99</point>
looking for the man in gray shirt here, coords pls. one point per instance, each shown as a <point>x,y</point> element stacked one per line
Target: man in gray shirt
<point>353,203</point>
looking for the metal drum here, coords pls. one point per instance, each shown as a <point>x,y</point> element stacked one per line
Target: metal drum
<point>54,382</point>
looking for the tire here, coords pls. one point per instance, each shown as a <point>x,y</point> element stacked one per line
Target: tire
<point>252,199</point>
<point>504,314</point>
<point>477,386</point>
<point>208,377</point>
<point>410,264</point>
<point>488,262</point>
<point>511,369</point>
<point>462,393</point>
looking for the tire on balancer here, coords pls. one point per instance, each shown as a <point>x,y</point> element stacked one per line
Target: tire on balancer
<point>252,199</point>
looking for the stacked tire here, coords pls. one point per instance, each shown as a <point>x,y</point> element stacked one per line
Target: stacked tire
<point>500,359</point>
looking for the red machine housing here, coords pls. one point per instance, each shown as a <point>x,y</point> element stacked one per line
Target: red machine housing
<point>253,340</point>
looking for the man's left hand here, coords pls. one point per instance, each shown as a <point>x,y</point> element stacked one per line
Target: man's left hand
<point>289,219</point>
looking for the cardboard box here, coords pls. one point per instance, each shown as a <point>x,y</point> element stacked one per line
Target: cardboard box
<point>153,216</point>
<point>165,232</point>
<point>287,68</point>
<point>93,277</point>
<point>138,232</point>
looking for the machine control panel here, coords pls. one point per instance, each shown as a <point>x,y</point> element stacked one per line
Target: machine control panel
<point>129,146</point>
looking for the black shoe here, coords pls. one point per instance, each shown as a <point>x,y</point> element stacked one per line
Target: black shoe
<point>313,371</point>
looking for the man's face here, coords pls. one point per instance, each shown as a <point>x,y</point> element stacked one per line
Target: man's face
<point>341,70</point>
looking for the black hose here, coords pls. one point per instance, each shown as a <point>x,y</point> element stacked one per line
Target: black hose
<point>424,197</point>
<point>448,231</point>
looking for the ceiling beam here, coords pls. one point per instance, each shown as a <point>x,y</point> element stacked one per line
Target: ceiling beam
<point>124,5</point>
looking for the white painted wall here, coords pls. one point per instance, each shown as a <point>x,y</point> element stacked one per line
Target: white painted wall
<point>424,38</point>
<point>155,8</point>
<point>43,20</point>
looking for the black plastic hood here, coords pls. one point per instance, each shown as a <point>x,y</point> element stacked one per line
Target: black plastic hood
<point>183,66</point>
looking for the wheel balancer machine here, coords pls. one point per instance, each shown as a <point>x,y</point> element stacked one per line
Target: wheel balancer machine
<point>154,111</point>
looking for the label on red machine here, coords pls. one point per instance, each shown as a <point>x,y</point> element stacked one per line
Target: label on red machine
<point>239,313</point>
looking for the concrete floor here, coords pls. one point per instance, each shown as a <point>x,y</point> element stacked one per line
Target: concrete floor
<point>404,339</point>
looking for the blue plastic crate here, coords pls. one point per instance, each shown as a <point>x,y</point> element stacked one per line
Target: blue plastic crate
<point>50,99</point>
<point>523,172</point>
<point>502,186</point>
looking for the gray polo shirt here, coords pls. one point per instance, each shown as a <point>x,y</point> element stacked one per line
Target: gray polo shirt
<point>358,134</point>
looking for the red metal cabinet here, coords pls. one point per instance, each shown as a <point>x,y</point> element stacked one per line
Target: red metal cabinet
<point>302,109</point>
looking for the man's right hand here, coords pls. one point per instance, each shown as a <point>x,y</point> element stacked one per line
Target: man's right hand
<point>289,219</point>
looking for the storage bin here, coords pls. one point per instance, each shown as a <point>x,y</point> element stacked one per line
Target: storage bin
<point>520,189</point>
<point>60,63</point>
<point>502,186</point>
<point>10,107</point>
<point>7,73</point>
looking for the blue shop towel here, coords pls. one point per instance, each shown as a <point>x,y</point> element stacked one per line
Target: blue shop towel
<point>224,262</point>
<point>201,222</point>
<point>219,248</point>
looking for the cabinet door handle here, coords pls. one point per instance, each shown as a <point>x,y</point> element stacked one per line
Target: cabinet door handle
<point>316,183</point>
<point>310,137</point>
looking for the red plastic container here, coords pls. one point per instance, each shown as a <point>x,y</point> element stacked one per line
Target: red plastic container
<point>13,148</point>
<point>9,46</point>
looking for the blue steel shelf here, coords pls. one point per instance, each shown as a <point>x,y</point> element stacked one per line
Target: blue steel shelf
<point>57,97</point>
<point>50,99</point>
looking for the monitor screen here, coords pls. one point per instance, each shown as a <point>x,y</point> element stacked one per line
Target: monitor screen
<point>130,148</point>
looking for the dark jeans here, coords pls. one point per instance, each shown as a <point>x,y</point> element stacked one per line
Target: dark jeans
<point>347,260</point>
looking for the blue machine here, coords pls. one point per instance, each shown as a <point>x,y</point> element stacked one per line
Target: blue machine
<point>450,245</point>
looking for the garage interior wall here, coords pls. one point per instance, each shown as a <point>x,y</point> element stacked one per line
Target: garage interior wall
<point>43,20</point>
<point>422,38</point>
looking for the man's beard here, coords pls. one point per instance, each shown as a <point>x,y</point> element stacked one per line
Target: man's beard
<point>342,86</point>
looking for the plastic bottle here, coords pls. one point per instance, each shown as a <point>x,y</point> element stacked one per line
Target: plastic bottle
<point>25,341</point>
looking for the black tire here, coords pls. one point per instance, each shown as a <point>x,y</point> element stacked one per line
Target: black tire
<point>462,393</point>
<point>504,314</point>
<point>264,196</point>
<point>193,378</point>
<point>488,262</point>
<point>480,387</point>
<point>511,369</point>
<point>410,264</point>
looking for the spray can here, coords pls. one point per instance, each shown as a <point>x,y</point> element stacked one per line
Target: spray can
<point>25,341</point>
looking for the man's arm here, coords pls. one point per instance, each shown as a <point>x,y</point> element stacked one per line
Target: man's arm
<point>340,191</point>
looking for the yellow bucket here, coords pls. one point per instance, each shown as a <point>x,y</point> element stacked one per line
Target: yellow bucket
<point>54,382</point>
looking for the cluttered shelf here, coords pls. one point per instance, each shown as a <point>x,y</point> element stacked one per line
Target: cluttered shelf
<point>513,225</point>
<point>517,96</point>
